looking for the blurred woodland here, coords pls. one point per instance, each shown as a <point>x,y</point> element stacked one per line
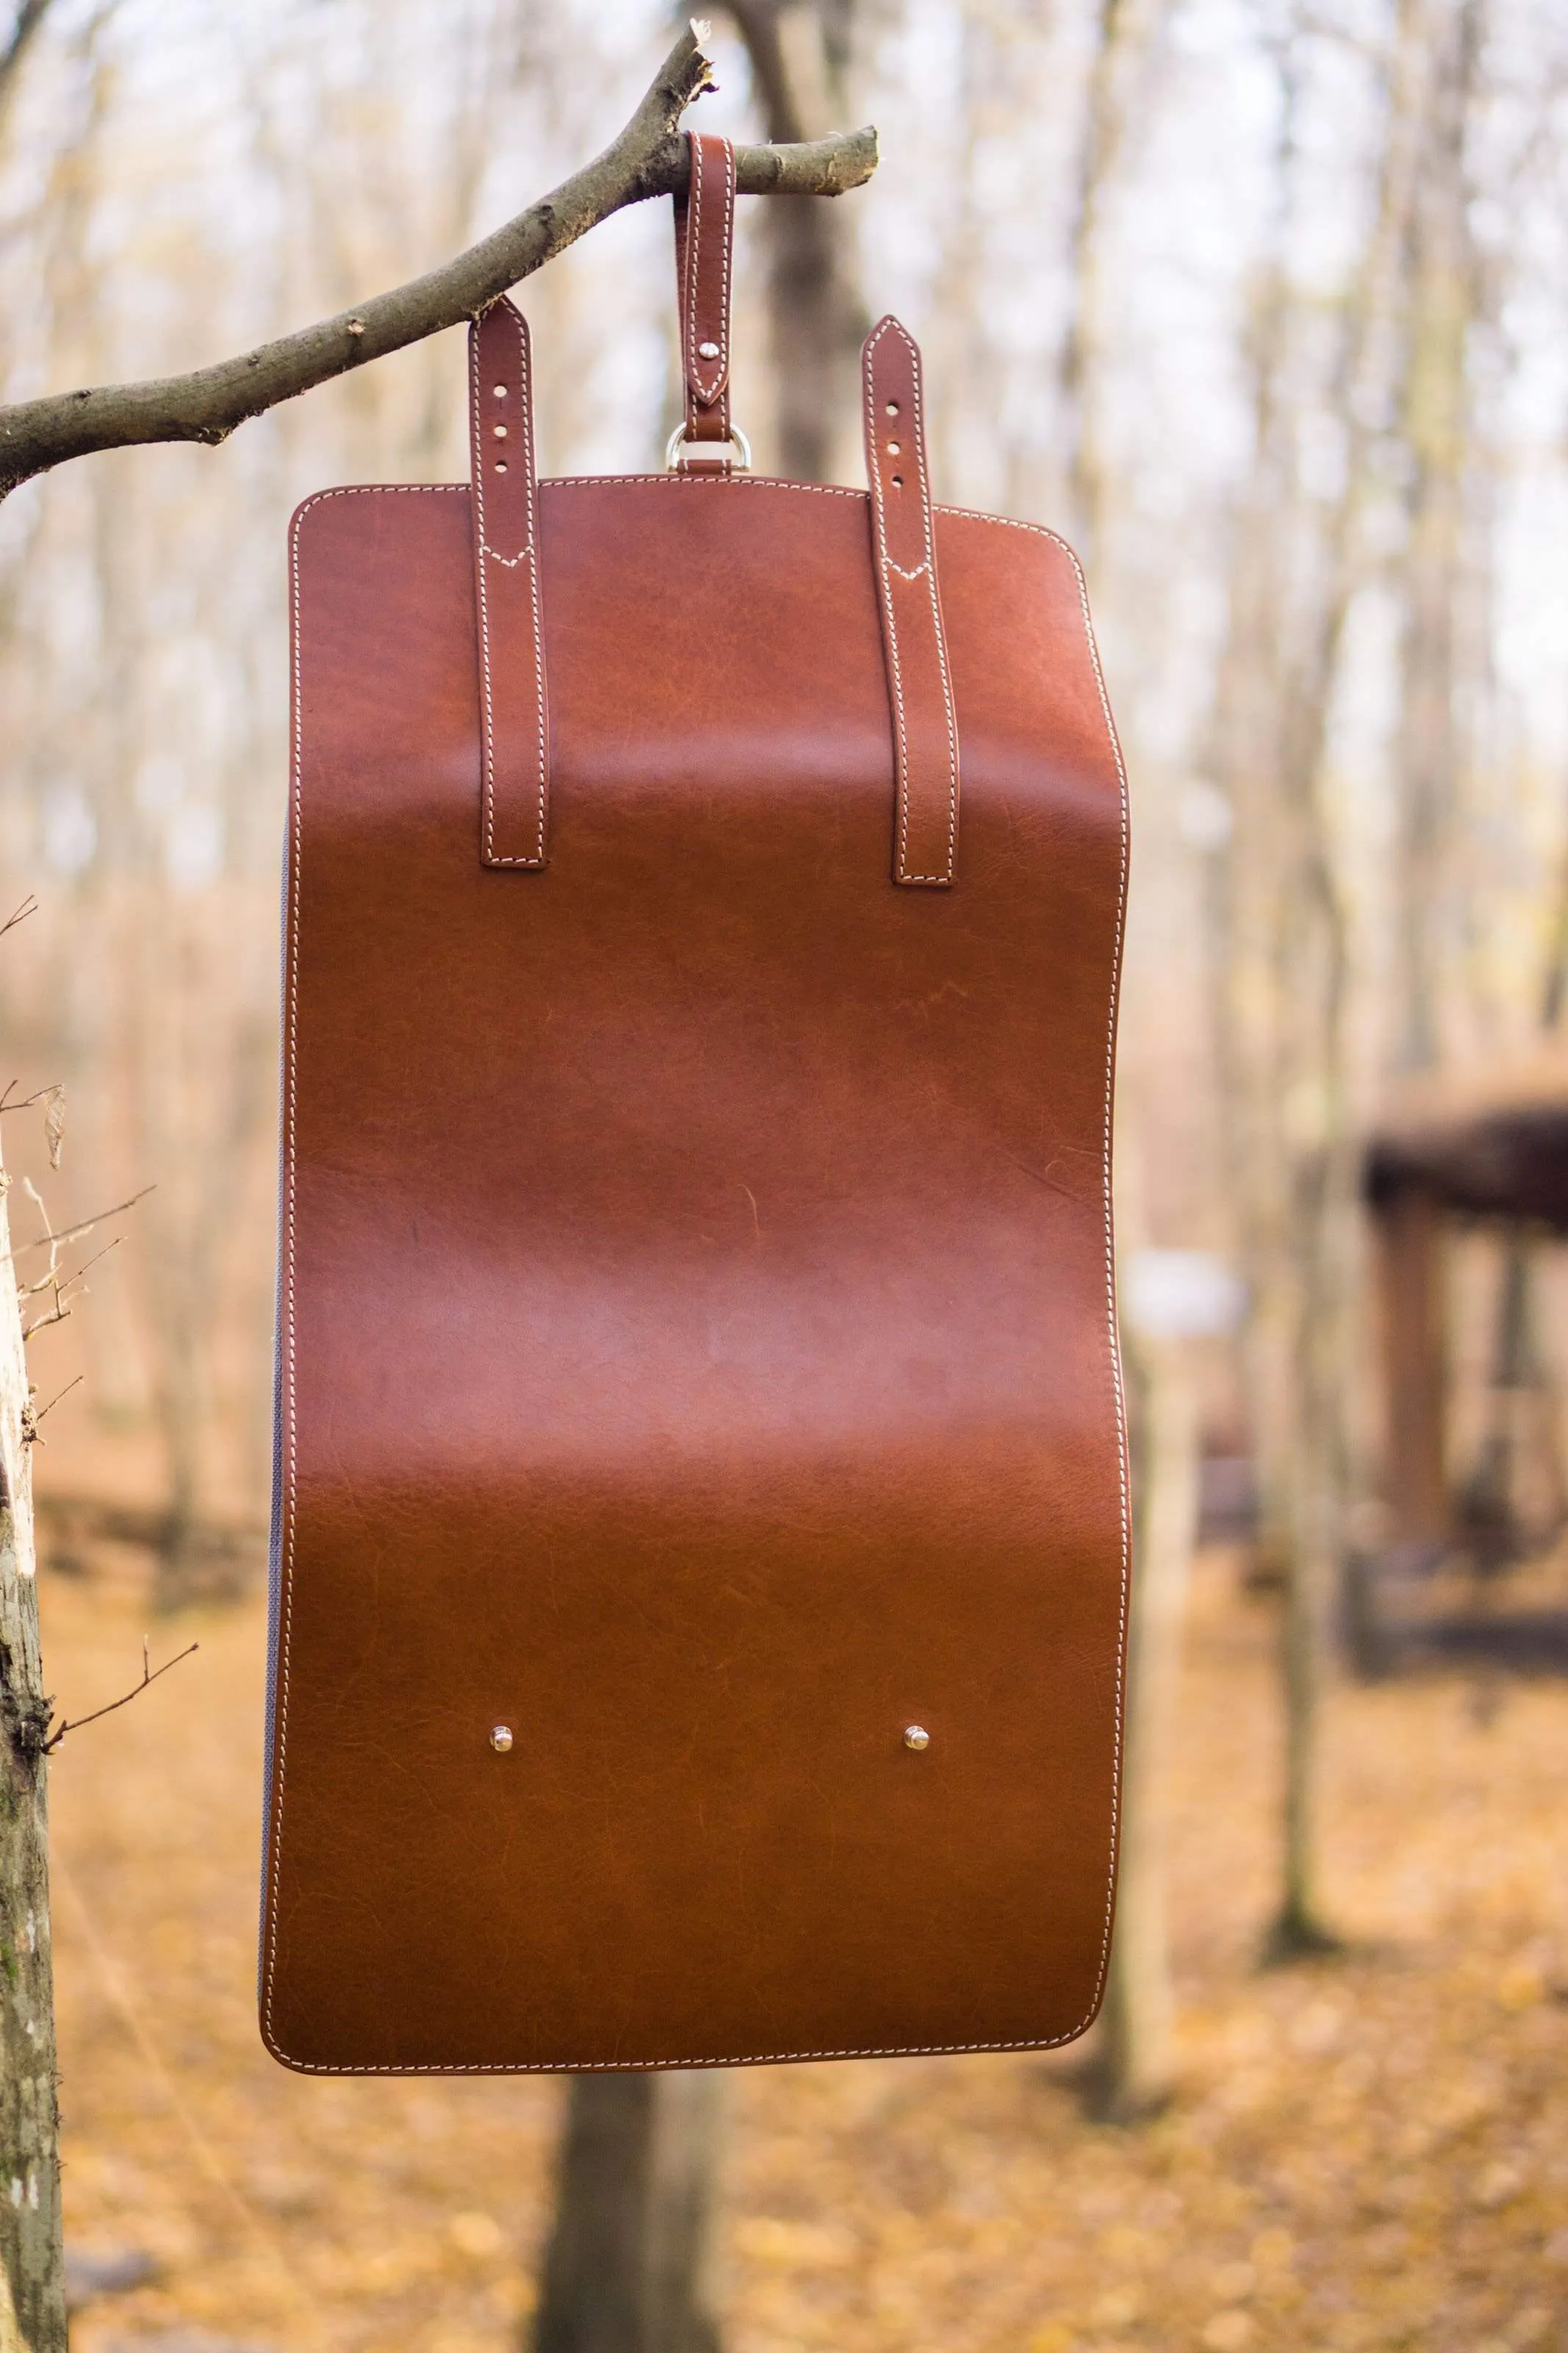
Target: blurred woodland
<point>1262,304</point>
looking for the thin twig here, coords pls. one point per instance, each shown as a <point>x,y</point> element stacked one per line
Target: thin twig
<point>32,1432</point>
<point>29,906</point>
<point>648,159</point>
<point>149,1675</point>
<point>67,1281</point>
<point>74,1233</point>
<point>27,1102</point>
<point>65,1289</point>
<point>64,1286</point>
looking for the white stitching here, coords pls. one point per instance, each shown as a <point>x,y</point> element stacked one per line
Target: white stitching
<point>527,554</point>
<point>654,2066</point>
<point>884,561</point>
<point>928,568</point>
<point>286,1609</point>
<point>527,406</point>
<point>951,715</point>
<point>694,264</point>
<point>721,371</point>
<point>477,476</point>
<point>884,600</point>
<point>1118,1392</point>
<point>709,387</point>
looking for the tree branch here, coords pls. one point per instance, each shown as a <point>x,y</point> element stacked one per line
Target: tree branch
<point>150,1675</point>
<point>648,159</point>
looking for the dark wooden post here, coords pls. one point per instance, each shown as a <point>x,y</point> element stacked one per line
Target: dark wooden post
<point>1409,1228</point>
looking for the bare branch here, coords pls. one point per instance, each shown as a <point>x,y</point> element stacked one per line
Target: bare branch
<point>32,1415</point>
<point>61,1283</point>
<point>29,906</point>
<point>648,159</point>
<point>65,1287</point>
<point>74,1233</point>
<point>24,1102</point>
<point>149,1675</point>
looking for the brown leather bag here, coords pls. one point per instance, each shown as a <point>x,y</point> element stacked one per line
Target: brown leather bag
<point>702,1535</point>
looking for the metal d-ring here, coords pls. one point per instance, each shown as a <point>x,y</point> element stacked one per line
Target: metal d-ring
<point>678,440</point>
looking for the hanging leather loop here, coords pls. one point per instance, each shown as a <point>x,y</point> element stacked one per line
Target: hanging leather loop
<point>704,252</point>
<point>919,688</point>
<point>512,708</point>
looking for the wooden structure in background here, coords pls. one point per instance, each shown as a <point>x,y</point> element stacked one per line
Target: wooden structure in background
<point>1469,1145</point>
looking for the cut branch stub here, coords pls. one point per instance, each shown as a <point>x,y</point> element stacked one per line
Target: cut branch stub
<point>648,159</point>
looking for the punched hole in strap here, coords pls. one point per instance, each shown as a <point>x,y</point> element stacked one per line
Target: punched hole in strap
<point>708,441</point>
<point>514,719</point>
<point>919,688</point>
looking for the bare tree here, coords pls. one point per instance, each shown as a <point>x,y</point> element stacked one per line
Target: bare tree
<point>32,2280</point>
<point>1445,288</point>
<point>1134,2069</point>
<point>1299,560</point>
<point>798,51</point>
<point>647,159</point>
<point>1126,35</point>
<point>24,27</point>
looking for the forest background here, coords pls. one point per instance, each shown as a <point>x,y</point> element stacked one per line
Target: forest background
<point>1262,305</point>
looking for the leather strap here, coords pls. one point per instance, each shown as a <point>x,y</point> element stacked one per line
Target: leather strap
<point>925,725</point>
<point>516,792</point>
<point>704,250</point>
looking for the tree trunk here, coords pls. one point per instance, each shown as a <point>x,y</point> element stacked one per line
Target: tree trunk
<point>1439,656</point>
<point>32,2273</point>
<point>630,2264</point>
<point>816,320</point>
<point>1300,561</point>
<point>1126,34</point>
<point>1133,2074</point>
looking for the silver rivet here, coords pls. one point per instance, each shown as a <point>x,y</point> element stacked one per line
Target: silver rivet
<point>500,1737</point>
<point>706,351</point>
<point>915,1736</point>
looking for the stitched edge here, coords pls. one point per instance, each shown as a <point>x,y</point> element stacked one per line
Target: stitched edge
<point>884,596</point>
<point>937,627</point>
<point>476,476</point>
<point>657,2066</point>
<point>1117,1390</point>
<point>926,568</point>
<point>275,1824</point>
<point>708,383</point>
<point>286,1287</point>
<point>527,554</point>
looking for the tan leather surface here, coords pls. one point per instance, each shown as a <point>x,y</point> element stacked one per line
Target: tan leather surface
<point>919,685</point>
<point>514,802</point>
<point>696,1344</point>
